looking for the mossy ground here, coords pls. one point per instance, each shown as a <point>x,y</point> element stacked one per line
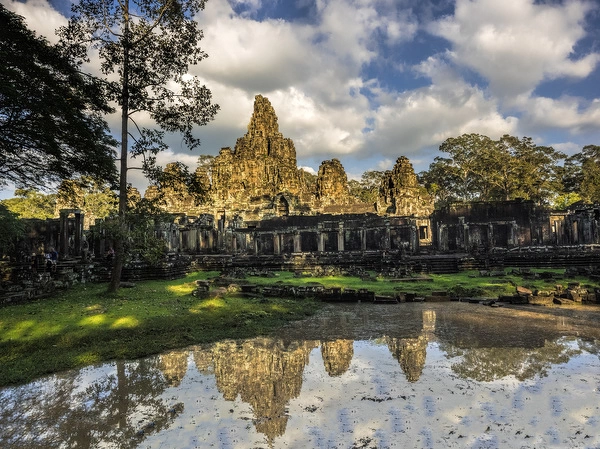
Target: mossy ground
<point>466,283</point>
<point>84,325</point>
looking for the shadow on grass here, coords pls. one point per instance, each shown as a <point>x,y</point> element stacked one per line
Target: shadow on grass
<point>22,361</point>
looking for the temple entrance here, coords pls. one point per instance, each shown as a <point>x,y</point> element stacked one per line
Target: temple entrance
<point>283,207</point>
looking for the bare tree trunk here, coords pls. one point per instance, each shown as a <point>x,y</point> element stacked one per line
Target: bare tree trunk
<point>119,259</point>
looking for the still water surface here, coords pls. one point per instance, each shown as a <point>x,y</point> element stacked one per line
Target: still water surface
<point>356,376</point>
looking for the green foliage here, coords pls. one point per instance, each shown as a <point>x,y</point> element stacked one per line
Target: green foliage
<point>582,173</point>
<point>563,201</point>
<point>95,198</point>
<point>50,114</point>
<point>367,189</point>
<point>29,203</point>
<point>139,233</point>
<point>11,229</point>
<point>481,169</point>
<point>176,188</point>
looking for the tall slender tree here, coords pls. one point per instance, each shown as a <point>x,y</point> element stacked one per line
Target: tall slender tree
<point>145,48</point>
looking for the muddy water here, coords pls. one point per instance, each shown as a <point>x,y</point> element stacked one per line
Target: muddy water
<point>356,376</point>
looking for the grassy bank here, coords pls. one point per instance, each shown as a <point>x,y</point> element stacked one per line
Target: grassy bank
<point>463,284</point>
<point>84,326</point>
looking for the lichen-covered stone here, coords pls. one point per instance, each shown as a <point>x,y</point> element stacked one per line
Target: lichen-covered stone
<point>332,184</point>
<point>259,179</point>
<point>400,193</point>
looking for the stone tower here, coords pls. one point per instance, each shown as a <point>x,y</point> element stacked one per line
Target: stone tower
<point>400,193</point>
<point>332,183</point>
<point>263,162</point>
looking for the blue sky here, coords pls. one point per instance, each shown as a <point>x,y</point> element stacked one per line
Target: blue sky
<point>368,81</point>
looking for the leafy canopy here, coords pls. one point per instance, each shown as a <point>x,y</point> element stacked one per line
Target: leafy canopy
<point>478,168</point>
<point>51,124</point>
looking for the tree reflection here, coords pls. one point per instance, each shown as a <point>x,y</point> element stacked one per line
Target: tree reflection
<point>116,410</point>
<point>488,364</point>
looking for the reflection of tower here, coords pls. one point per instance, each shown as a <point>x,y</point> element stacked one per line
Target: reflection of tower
<point>428,324</point>
<point>203,359</point>
<point>174,366</point>
<point>337,356</point>
<point>411,353</point>
<point>266,374</point>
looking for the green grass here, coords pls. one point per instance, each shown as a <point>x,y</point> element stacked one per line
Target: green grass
<point>84,325</point>
<point>467,283</point>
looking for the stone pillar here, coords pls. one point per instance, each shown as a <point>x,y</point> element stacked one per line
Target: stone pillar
<point>63,239</point>
<point>211,240</point>
<point>363,239</point>
<point>276,244</point>
<point>297,242</point>
<point>463,235</point>
<point>414,238</point>
<point>513,239</point>
<point>78,233</point>
<point>388,236</point>
<point>320,238</point>
<point>442,238</point>
<point>340,236</point>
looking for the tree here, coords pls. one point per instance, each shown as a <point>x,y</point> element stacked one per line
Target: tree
<point>11,229</point>
<point>479,168</point>
<point>535,174</point>
<point>148,45</point>
<point>459,177</point>
<point>51,124</point>
<point>367,189</point>
<point>177,189</point>
<point>582,173</point>
<point>94,198</point>
<point>29,203</point>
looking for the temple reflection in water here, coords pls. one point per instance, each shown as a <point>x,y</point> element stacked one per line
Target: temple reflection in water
<point>283,385</point>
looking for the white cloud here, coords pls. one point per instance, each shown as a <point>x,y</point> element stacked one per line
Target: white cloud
<point>313,74</point>
<point>39,16</point>
<point>567,113</point>
<point>516,44</point>
<point>407,123</point>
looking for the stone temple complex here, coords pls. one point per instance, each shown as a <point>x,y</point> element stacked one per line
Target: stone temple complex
<point>259,179</point>
<point>260,209</point>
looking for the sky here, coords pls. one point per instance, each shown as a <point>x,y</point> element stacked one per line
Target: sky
<point>368,81</point>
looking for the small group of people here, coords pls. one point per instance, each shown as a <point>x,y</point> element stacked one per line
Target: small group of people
<point>46,261</point>
<point>51,260</point>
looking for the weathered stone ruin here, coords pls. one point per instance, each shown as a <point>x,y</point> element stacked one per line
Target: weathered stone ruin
<point>332,185</point>
<point>400,193</point>
<point>261,210</point>
<point>259,179</point>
